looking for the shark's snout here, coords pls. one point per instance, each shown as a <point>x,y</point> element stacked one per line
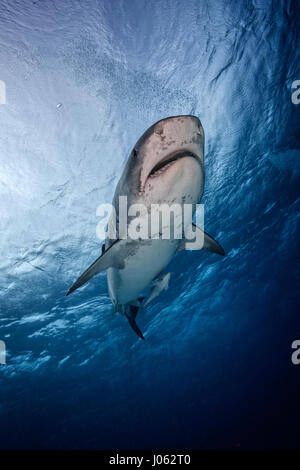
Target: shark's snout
<point>167,141</point>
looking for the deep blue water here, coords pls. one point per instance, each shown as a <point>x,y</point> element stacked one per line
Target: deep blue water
<point>83,81</point>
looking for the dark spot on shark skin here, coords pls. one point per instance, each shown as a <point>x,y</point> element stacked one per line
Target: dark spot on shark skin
<point>140,187</point>
<point>132,249</point>
<point>159,131</point>
<point>195,139</point>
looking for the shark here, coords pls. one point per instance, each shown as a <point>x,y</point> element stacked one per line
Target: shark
<point>165,168</point>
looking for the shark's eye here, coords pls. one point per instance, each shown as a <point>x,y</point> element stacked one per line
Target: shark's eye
<point>135,152</point>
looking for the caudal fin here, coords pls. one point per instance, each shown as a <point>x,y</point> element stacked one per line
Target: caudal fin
<point>131,316</point>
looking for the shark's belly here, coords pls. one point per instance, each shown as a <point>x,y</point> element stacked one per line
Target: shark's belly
<point>125,285</point>
<point>182,184</point>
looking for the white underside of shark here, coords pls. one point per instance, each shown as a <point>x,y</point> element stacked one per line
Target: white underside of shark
<point>166,166</point>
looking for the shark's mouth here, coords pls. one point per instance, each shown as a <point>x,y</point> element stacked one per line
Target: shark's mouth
<point>163,165</point>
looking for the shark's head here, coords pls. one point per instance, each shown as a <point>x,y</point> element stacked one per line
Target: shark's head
<point>166,142</point>
<point>161,154</point>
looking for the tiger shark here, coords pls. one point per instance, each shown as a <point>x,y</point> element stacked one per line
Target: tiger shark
<point>166,166</point>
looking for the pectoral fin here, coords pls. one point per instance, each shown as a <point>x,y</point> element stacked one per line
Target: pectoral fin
<point>201,241</point>
<point>210,244</point>
<point>112,257</point>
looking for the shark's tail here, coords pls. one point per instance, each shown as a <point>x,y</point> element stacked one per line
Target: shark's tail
<point>131,313</point>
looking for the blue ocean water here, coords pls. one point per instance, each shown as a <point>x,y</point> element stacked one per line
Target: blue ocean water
<point>83,80</point>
